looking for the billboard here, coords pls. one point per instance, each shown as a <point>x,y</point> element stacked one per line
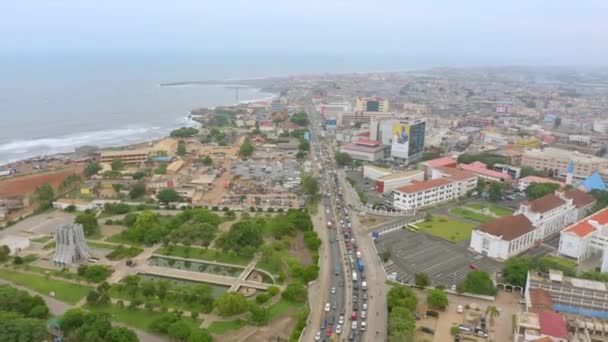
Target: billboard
<point>400,140</point>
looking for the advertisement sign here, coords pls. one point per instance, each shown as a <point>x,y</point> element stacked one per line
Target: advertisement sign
<point>400,141</point>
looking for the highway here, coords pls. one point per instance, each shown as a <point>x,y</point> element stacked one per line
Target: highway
<point>342,252</point>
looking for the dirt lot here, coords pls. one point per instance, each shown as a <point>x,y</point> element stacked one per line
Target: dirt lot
<point>23,185</point>
<point>299,249</point>
<point>280,327</point>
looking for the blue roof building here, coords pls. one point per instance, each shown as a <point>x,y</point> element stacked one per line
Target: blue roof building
<point>593,182</point>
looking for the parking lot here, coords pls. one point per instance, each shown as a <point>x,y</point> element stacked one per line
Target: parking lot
<point>445,263</point>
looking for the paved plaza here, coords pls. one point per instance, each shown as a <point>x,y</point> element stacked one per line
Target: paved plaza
<point>446,263</point>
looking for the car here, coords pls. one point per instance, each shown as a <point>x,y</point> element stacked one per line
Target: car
<point>323,324</point>
<point>354,316</point>
<point>364,296</point>
<point>427,330</point>
<point>473,267</point>
<point>363,314</point>
<point>327,307</point>
<point>460,309</point>
<point>432,313</point>
<point>318,336</point>
<point>338,329</point>
<point>341,319</point>
<point>328,332</point>
<point>354,325</point>
<point>354,298</point>
<point>332,320</point>
<point>334,306</point>
<point>333,290</point>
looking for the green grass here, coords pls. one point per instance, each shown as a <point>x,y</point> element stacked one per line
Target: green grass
<point>496,209</point>
<point>140,319</point>
<point>101,245</point>
<point>446,228</point>
<point>49,245</point>
<point>471,215</point>
<point>204,254</point>
<point>64,291</point>
<point>42,239</point>
<point>282,307</point>
<point>119,238</point>
<point>221,327</point>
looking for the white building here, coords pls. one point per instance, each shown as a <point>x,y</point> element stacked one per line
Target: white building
<point>447,184</point>
<point>374,172</point>
<point>333,108</point>
<point>364,149</point>
<point>600,125</point>
<point>586,238</point>
<point>585,139</point>
<point>533,222</point>
<point>396,180</point>
<point>523,183</point>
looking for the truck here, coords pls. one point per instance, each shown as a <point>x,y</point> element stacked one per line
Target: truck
<point>361,266</point>
<point>337,269</point>
<point>354,276</point>
<point>364,285</point>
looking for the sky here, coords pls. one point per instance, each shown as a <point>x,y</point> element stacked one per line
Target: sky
<point>442,32</point>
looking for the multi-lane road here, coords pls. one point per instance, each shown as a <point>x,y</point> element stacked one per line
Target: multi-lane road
<point>356,294</point>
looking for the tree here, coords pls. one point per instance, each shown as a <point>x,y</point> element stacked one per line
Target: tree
<point>17,260</point>
<point>184,132</point>
<point>295,292</point>
<point>92,297</point>
<point>401,324</point>
<point>161,324</point>
<point>300,118</point>
<point>493,312</point>
<point>437,298</point>
<point>121,334</point>
<point>15,328</point>
<point>479,282</point>
<point>246,149</point>
<point>117,165</point>
<point>89,223</point>
<point>207,161</point>
<point>4,253</point>
<point>385,255</point>
<point>137,191</point>
<point>538,190</point>
<point>496,191</point>
<point>343,159</point>
<point>91,169</point>
<point>179,330</point>
<point>530,171</point>
<point>168,195</point>
<point>200,335</point>
<point>22,303</point>
<point>515,271</point>
<point>401,296</point>
<point>44,193</point>
<point>139,175</point>
<point>310,185</point>
<point>422,279</point>
<point>259,315</point>
<point>230,303</point>
<point>181,148</point>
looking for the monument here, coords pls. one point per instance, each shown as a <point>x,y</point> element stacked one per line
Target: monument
<point>70,245</point>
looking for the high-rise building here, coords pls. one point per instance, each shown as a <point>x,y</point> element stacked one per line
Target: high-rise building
<point>405,136</point>
<point>70,245</point>
<point>371,104</point>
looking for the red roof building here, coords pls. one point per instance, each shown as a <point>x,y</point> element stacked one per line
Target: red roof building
<point>482,171</point>
<point>553,324</point>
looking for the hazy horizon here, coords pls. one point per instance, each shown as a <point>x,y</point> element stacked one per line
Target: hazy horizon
<point>434,33</point>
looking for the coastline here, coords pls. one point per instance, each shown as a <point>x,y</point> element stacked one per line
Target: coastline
<point>121,137</point>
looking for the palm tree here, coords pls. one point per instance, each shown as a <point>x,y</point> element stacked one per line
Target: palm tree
<point>493,312</point>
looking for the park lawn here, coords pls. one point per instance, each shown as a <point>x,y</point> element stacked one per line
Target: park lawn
<point>101,245</point>
<point>496,209</point>
<point>140,318</point>
<point>221,327</point>
<point>282,307</point>
<point>446,228</point>
<point>64,291</point>
<point>119,238</point>
<point>204,254</point>
<point>471,215</point>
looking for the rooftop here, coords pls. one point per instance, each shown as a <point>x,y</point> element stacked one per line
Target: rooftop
<point>367,142</point>
<point>583,227</point>
<point>422,186</point>
<point>443,161</point>
<point>398,175</point>
<point>124,153</point>
<point>552,152</point>
<point>553,324</point>
<point>540,300</point>
<point>579,197</point>
<point>362,148</point>
<point>509,227</point>
<point>480,168</point>
<point>536,179</point>
<point>545,203</point>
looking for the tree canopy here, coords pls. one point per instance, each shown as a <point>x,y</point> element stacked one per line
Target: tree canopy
<point>496,191</point>
<point>137,191</point>
<point>117,165</point>
<point>246,149</point>
<point>92,169</point>
<point>538,190</point>
<point>231,303</point>
<point>300,118</point>
<point>437,298</point>
<point>184,132</point>
<point>88,222</point>
<point>401,301</point>
<point>168,196</point>
<point>343,159</point>
<point>79,325</point>
<point>478,282</point>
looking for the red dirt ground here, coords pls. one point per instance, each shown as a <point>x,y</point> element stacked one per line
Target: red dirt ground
<point>23,185</point>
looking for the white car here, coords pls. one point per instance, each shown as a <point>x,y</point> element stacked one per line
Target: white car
<point>318,336</point>
<point>363,314</point>
<point>341,320</point>
<point>338,329</point>
<point>333,290</point>
<point>364,306</point>
<point>354,326</point>
<point>460,310</point>
<point>327,307</point>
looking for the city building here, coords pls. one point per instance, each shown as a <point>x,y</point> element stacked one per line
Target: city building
<point>600,126</point>
<point>430,165</point>
<point>587,238</point>
<point>577,138</point>
<point>364,117</point>
<point>556,161</point>
<point>513,171</point>
<point>544,326</point>
<point>70,245</point>
<point>533,222</point>
<point>398,179</point>
<point>481,170</point>
<point>371,104</point>
<point>523,183</point>
<point>334,108</point>
<point>364,149</point>
<point>476,121</point>
<point>375,172</point>
<point>404,136</point>
<point>447,184</point>
<point>593,182</point>
<point>127,156</point>
<point>570,295</point>
<point>277,106</point>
